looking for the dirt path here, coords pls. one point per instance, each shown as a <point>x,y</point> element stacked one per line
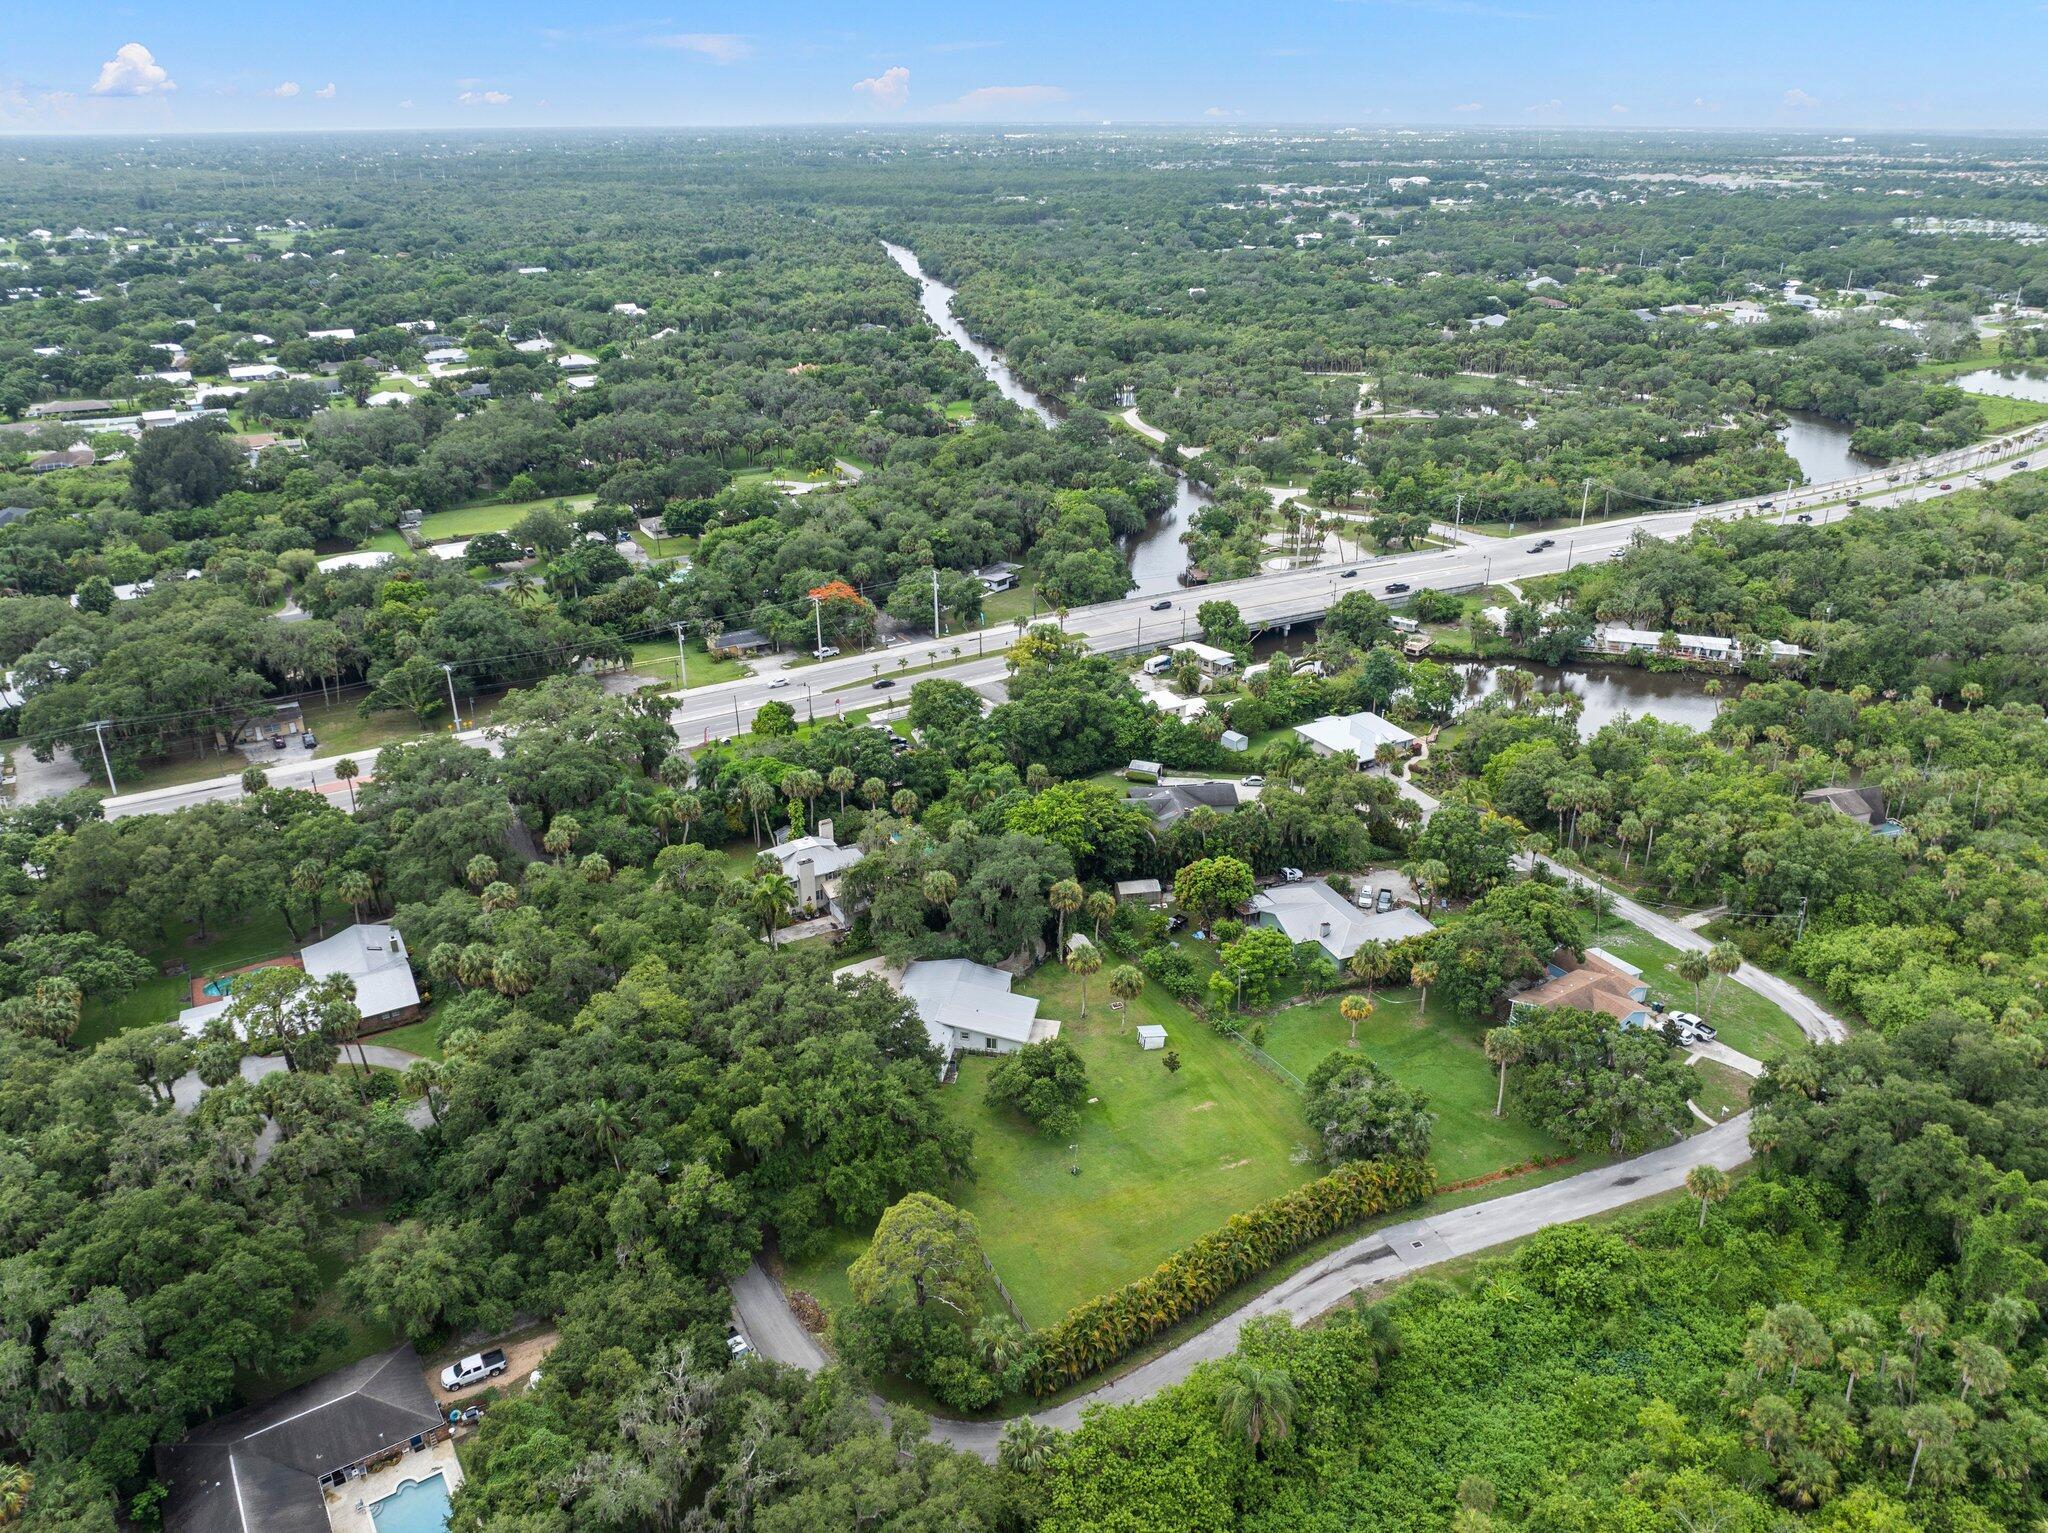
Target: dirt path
<point>523,1356</point>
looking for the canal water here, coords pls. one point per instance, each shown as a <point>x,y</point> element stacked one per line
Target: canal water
<point>1157,556</point>
<point>1820,447</point>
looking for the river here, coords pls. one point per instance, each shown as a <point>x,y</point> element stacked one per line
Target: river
<point>1157,556</point>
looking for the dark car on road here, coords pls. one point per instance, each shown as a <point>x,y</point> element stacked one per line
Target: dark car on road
<point>1397,586</point>
<point>884,681</point>
<point>1162,606</point>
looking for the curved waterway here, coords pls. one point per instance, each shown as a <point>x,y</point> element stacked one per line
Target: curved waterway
<point>1157,556</point>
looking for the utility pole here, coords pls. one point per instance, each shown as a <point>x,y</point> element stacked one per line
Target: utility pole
<point>818,616</point>
<point>1458,516</point>
<point>453,707</point>
<point>935,601</point>
<point>1585,494</point>
<point>682,665</point>
<point>1802,919</point>
<point>99,730</point>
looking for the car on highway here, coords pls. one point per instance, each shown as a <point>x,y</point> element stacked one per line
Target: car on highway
<point>1803,517</point>
<point>1946,485</point>
<point>1395,587</point>
<point>1162,606</point>
<point>824,651</point>
<point>883,683</point>
<point>779,681</point>
<point>1541,544</point>
<point>1764,505</point>
<point>1854,503</point>
<point>2021,464</point>
<point>1349,575</point>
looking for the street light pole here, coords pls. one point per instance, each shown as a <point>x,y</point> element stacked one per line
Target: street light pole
<point>1585,495</point>
<point>454,708</point>
<point>682,665</point>
<point>935,601</point>
<point>99,730</point>
<point>818,615</point>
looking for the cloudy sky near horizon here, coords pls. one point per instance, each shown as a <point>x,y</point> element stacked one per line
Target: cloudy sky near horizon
<point>227,65</point>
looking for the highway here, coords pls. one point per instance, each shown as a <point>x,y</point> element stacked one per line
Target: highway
<point>846,683</point>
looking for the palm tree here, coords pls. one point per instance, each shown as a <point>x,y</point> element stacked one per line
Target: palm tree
<point>903,803</point>
<point>1723,959</point>
<point>481,870</point>
<point>841,780</point>
<point>1856,1360</point>
<point>561,836</point>
<point>499,896</point>
<point>1693,969</point>
<point>474,968</point>
<point>940,887</point>
<point>1355,1009</point>
<point>1065,897</point>
<point>354,887</point>
<point>1926,1424</point>
<point>1255,1403</point>
<point>1371,963</point>
<point>1126,983</point>
<point>1709,1184</point>
<point>874,790</point>
<point>1505,1046</point>
<point>1027,1446</point>
<point>1101,907</point>
<point>444,962</point>
<point>1422,974</point>
<point>686,809</point>
<point>771,897</point>
<point>1771,1417</point>
<point>1086,959</point>
<point>346,771</point>
<point>428,1080</point>
<point>607,1127</point>
<point>1429,875</point>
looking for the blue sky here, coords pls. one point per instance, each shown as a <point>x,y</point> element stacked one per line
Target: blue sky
<point>209,65</point>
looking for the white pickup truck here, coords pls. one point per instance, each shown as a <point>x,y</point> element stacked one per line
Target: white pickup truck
<point>474,1369</point>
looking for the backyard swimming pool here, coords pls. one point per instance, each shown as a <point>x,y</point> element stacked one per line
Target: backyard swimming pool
<point>418,1506</point>
<point>216,988</point>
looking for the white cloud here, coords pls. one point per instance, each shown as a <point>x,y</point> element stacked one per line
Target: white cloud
<point>325,92</point>
<point>285,91</point>
<point>890,88</point>
<point>1797,98</point>
<point>1704,105</point>
<point>405,105</point>
<point>719,47</point>
<point>482,98</point>
<point>1004,98</point>
<point>133,71</point>
<point>1221,111</point>
<point>1618,110</point>
<point>1544,108</point>
<point>1468,106</point>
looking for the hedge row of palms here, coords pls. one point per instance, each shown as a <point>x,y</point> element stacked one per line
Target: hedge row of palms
<point>1093,1335</point>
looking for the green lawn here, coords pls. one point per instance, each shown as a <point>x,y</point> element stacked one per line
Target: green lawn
<point>1165,1156</point>
<point>421,1038</point>
<point>161,998</point>
<point>1745,1021</point>
<point>492,516</point>
<point>1722,1092</point>
<point>657,658</point>
<point>664,547</point>
<point>2002,414</point>
<point>1440,1057</point>
<point>1008,606</point>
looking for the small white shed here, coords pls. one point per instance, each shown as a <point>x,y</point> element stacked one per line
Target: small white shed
<point>1151,1037</point>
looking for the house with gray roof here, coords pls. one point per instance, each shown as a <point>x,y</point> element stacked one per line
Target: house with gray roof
<point>968,1007</point>
<point>271,1468</point>
<point>1311,911</point>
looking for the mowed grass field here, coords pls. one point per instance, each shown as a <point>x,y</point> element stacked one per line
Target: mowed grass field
<point>1439,1056</point>
<point>1165,1156</point>
<point>493,516</point>
<point>162,997</point>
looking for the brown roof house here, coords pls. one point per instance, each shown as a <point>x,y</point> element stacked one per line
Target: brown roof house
<point>1865,805</point>
<point>1601,982</point>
